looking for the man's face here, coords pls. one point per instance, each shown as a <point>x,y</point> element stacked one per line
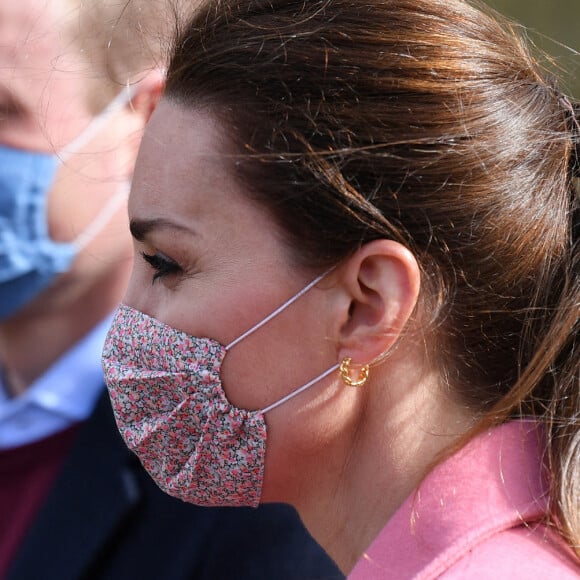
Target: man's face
<point>44,106</point>
<point>43,103</point>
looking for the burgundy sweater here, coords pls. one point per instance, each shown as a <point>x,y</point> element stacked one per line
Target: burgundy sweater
<point>26,476</point>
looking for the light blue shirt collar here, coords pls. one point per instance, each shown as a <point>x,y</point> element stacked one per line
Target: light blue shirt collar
<point>66,394</point>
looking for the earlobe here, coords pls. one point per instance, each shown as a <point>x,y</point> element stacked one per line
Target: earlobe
<point>380,287</point>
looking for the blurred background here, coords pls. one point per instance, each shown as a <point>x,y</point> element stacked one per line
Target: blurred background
<point>552,25</point>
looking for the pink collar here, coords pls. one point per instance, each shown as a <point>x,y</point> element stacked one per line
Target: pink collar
<point>492,484</point>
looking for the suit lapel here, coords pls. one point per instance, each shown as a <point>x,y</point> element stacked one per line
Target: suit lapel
<point>93,494</point>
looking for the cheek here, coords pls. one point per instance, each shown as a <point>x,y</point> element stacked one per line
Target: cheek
<point>303,435</point>
<point>282,356</point>
<point>190,304</point>
<point>250,376</point>
<point>76,199</point>
<point>270,365</point>
<point>138,293</point>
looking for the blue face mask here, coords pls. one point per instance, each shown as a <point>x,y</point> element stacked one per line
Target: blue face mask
<point>29,259</point>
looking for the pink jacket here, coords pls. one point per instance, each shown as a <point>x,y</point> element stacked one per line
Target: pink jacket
<point>476,516</point>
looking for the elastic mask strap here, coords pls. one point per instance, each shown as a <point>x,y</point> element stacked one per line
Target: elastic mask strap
<point>103,217</point>
<point>97,123</point>
<point>300,389</point>
<point>279,309</point>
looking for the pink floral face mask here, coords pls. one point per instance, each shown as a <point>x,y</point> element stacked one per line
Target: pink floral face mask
<point>172,411</point>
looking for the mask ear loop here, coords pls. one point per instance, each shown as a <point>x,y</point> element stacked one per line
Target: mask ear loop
<point>300,389</point>
<point>124,97</point>
<point>114,203</point>
<point>103,217</point>
<point>279,309</point>
<point>270,317</point>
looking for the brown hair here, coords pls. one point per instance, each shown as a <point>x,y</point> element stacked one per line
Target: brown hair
<point>432,124</point>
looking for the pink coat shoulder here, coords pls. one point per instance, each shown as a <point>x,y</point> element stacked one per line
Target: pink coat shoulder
<point>520,552</point>
<point>475,516</point>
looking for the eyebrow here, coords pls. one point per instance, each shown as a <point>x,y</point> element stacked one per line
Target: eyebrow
<point>140,229</point>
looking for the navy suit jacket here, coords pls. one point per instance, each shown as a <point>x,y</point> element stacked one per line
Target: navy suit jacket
<point>106,519</point>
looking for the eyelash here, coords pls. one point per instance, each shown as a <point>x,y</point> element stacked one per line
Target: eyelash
<point>161,265</point>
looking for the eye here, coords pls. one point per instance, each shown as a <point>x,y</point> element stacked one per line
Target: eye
<point>162,265</point>
<point>9,110</point>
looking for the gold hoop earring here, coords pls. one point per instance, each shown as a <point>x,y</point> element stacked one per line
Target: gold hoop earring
<point>345,374</point>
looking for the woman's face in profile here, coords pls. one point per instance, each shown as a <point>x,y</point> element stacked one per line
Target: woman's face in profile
<point>212,263</point>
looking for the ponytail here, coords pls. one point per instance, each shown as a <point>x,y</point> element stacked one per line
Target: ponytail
<point>549,387</point>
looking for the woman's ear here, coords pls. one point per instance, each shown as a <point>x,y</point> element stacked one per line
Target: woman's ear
<point>379,287</point>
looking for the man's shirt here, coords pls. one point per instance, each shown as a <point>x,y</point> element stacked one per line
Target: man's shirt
<point>64,395</point>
